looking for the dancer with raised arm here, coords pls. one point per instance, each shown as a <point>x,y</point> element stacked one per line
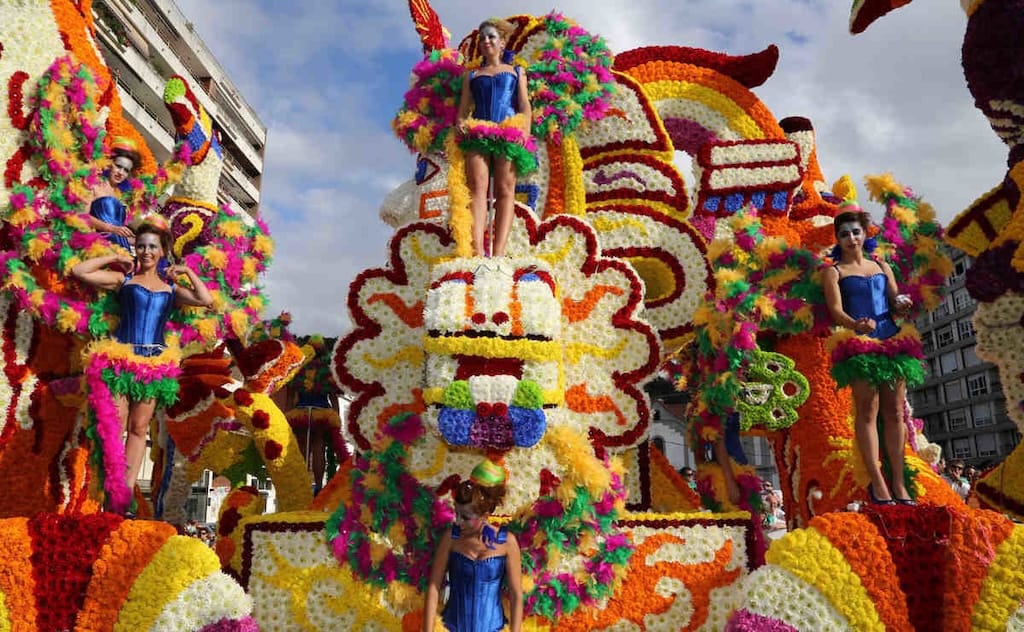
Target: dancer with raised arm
<point>146,295</point>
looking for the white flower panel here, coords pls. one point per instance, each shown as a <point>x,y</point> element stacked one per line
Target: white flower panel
<point>543,373</point>
<point>765,151</point>
<point>31,43</point>
<point>728,178</point>
<point>446,307</point>
<point>204,602</point>
<point>626,121</point>
<point>626,176</point>
<point>772,591</point>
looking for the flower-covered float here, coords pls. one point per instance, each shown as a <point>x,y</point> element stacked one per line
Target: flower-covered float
<point>70,567</point>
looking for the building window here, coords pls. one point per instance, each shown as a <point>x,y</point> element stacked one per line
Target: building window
<point>977,385</point>
<point>954,391</point>
<point>986,444</point>
<point>950,362</point>
<point>962,448</point>
<point>941,310</point>
<point>933,425</point>
<point>923,321</point>
<point>958,419</point>
<point>971,356</point>
<point>965,328</point>
<point>960,267</point>
<point>944,336</point>
<point>982,414</point>
<point>961,300</point>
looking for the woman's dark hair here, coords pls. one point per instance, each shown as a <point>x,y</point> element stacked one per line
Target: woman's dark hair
<point>860,217</point>
<point>482,499</point>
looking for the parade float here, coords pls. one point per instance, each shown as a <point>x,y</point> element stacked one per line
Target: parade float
<point>618,270</point>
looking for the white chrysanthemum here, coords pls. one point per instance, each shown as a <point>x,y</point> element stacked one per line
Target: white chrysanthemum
<point>31,42</point>
<point>772,591</point>
<point>203,602</point>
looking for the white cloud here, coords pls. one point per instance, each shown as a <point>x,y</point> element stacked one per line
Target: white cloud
<point>327,76</point>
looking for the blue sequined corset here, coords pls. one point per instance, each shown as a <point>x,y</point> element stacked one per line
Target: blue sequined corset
<point>864,296</point>
<point>143,316</point>
<point>474,591</point>
<point>110,210</point>
<point>494,96</point>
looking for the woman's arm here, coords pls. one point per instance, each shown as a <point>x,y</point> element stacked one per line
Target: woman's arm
<point>898,302</point>
<point>197,295</point>
<point>93,271</point>
<point>524,101</point>
<point>437,570</point>
<point>100,226</point>
<point>834,303</point>
<point>514,575</point>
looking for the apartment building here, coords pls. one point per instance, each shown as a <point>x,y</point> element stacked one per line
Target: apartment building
<point>961,401</point>
<point>144,42</point>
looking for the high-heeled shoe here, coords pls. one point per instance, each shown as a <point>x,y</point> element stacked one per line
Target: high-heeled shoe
<point>907,501</point>
<point>878,501</point>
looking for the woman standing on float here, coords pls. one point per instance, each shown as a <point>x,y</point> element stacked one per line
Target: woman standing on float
<point>107,213</point>
<point>479,561</point>
<point>146,296</point>
<point>494,126</point>
<point>880,360</point>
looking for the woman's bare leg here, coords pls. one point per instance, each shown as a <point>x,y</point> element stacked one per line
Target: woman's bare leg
<point>865,402</point>
<point>891,402</point>
<point>504,203</point>
<point>477,176</point>
<point>139,416</point>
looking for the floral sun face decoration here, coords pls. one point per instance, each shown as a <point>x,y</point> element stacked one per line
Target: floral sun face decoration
<point>572,353</point>
<point>494,356</point>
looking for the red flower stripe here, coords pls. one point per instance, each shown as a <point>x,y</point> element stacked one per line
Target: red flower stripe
<point>918,539</point>
<point>974,540</point>
<point>750,70</point>
<point>16,99</point>
<point>64,549</point>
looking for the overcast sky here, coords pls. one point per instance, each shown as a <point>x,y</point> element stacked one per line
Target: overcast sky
<point>327,76</point>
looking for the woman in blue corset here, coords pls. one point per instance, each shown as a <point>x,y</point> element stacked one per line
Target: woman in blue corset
<point>107,213</point>
<point>878,359</point>
<point>480,561</point>
<point>494,127</point>
<point>139,368</point>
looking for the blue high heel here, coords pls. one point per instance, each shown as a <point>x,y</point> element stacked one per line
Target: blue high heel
<point>876,501</point>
